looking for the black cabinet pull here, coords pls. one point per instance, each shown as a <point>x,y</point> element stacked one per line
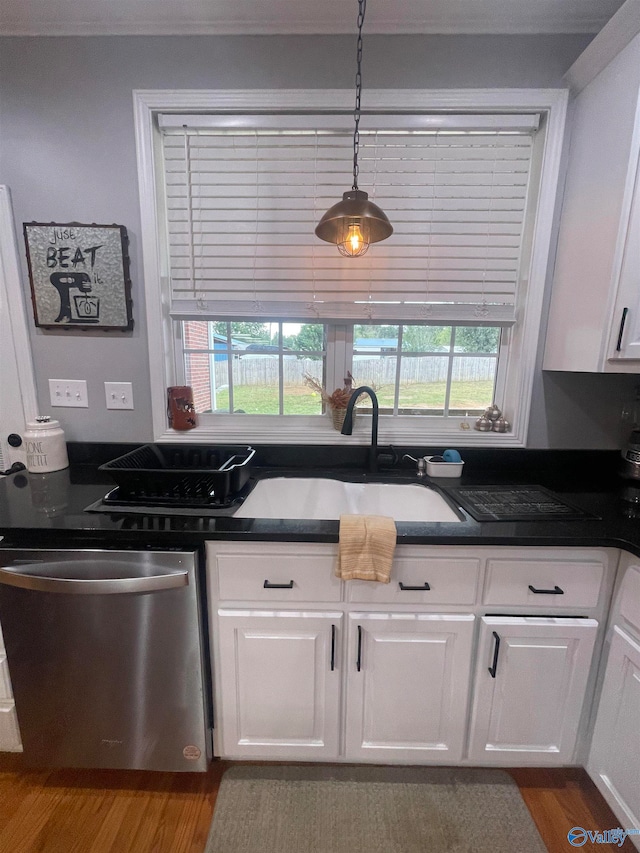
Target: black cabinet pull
<point>333,647</point>
<point>496,651</point>
<point>425,586</point>
<point>555,591</point>
<point>625,311</point>
<point>359,658</point>
<point>269,585</point>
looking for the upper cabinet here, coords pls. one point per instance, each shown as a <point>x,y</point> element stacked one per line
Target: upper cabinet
<point>594,318</point>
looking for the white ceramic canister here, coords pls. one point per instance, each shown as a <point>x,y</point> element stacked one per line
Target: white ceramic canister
<point>45,445</point>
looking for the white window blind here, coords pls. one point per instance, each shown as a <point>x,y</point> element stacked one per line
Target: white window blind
<point>244,194</point>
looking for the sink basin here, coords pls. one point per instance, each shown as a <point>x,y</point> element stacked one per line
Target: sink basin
<point>324,498</point>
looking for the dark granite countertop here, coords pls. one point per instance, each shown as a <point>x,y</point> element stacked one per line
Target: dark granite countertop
<point>48,510</point>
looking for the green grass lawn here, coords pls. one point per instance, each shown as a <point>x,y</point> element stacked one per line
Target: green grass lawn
<point>300,400</point>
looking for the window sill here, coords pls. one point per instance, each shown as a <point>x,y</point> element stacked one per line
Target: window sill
<point>292,429</point>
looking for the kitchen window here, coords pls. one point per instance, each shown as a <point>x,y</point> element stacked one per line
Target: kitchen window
<point>260,368</point>
<point>242,298</point>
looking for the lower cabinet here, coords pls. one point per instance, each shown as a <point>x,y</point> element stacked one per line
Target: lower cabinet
<point>309,668</point>
<point>9,731</point>
<point>614,760</point>
<point>530,683</point>
<point>404,676</point>
<point>279,684</point>
<point>407,686</point>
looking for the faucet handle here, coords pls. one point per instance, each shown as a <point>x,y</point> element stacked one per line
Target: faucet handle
<point>391,458</point>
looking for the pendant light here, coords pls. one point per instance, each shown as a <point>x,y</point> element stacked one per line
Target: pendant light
<point>355,222</point>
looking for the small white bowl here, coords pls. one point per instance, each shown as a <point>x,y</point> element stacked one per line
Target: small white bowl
<point>443,469</point>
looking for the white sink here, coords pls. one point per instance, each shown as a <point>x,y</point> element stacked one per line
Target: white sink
<point>324,498</point>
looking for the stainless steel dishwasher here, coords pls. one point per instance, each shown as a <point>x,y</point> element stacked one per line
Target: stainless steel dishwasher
<point>105,654</point>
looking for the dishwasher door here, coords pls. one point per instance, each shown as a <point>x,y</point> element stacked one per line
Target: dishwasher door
<point>105,656</point>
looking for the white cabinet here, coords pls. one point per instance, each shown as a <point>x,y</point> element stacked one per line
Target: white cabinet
<point>280,684</point>
<point>614,761</point>
<point>530,684</point>
<point>433,577</point>
<point>276,573</point>
<point>543,584</point>
<point>625,341</point>
<point>407,686</point>
<point>594,315</point>
<point>9,731</point>
<point>311,668</point>
<point>282,675</point>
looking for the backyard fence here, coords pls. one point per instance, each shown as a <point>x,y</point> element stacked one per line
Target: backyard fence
<point>263,370</point>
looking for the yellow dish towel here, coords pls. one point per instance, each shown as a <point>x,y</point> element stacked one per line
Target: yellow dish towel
<point>366,546</point>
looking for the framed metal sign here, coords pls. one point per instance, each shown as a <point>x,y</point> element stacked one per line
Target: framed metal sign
<point>79,275</point>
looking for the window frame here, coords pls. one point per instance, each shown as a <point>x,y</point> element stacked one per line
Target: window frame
<point>520,341</point>
<point>339,364</point>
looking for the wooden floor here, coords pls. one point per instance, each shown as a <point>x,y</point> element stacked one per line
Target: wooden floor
<point>90,811</point>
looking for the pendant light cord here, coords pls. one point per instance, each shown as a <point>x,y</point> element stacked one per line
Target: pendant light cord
<point>362,7</point>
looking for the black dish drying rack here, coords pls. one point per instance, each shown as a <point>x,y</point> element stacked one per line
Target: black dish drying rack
<point>181,475</point>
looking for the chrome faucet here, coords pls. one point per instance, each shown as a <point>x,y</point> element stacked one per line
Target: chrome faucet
<point>347,426</point>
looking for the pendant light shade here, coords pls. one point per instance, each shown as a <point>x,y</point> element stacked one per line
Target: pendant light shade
<point>355,222</point>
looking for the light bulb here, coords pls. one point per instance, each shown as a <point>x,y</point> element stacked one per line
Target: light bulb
<point>353,243</point>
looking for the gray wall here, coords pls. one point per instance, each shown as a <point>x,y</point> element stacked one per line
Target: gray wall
<point>67,153</point>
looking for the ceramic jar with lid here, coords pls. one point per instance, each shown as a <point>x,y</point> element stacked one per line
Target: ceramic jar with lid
<point>45,445</point>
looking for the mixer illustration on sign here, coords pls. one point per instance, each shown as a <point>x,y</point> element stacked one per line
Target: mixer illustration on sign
<point>86,308</point>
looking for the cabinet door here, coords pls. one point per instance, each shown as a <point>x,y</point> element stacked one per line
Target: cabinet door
<point>279,684</point>
<point>625,333</point>
<point>9,731</point>
<point>614,761</point>
<point>592,234</point>
<point>407,686</point>
<point>530,682</point>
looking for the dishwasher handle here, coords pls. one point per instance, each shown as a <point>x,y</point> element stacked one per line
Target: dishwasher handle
<point>92,586</point>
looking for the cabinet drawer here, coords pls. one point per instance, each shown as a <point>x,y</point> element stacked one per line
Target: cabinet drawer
<point>5,681</point>
<point>9,731</point>
<point>307,575</point>
<point>543,583</point>
<point>450,580</point>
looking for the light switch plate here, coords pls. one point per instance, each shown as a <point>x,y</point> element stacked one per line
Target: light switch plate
<point>119,395</point>
<point>69,392</point>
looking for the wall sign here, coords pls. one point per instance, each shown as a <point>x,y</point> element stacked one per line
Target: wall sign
<point>79,275</point>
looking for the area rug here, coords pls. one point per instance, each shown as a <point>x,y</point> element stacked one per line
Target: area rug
<point>329,809</point>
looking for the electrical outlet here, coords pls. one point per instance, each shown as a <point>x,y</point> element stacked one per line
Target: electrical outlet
<point>69,392</point>
<point>119,395</point>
